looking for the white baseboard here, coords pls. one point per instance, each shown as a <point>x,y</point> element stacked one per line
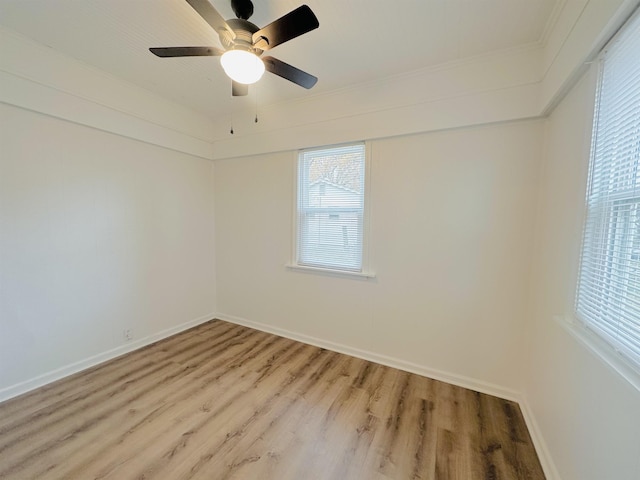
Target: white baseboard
<point>454,379</point>
<point>57,374</point>
<point>542,450</point>
<point>546,461</point>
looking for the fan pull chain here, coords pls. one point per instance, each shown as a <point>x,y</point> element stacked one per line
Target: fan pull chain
<point>256,119</point>
<point>231,130</point>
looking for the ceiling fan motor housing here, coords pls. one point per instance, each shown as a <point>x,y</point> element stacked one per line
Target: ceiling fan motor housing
<point>244,31</point>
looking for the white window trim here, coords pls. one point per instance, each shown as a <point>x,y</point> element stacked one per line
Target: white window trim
<point>612,358</point>
<point>614,361</point>
<point>365,272</point>
<point>329,271</point>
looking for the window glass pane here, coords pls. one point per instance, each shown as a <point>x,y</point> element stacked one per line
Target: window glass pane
<point>331,207</point>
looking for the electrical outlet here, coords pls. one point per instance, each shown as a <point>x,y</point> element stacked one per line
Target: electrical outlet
<point>127,334</point>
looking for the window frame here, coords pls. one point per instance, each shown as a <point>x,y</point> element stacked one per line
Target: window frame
<point>365,270</point>
<point>593,333</point>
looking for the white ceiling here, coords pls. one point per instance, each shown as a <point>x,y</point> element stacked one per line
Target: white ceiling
<point>358,40</point>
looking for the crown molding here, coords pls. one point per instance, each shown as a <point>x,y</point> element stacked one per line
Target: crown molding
<point>38,78</point>
<point>582,30</point>
<point>519,83</point>
<point>486,89</point>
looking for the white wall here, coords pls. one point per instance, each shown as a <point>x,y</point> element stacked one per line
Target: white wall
<point>587,413</point>
<point>98,233</point>
<point>451,235</point>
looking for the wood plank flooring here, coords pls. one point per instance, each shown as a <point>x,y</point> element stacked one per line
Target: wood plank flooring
<point>222,401</point>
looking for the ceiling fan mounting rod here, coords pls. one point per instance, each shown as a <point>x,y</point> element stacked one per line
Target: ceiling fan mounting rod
<point>242,8</point>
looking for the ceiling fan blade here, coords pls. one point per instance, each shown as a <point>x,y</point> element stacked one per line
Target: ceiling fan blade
<point>289,72</point>
<point>212,17</point>
<point>239,89</point>
<point>293,24</point>
<point>166,52</point>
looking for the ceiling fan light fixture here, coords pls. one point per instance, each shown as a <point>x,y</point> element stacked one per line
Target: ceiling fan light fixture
<point>242,66</point>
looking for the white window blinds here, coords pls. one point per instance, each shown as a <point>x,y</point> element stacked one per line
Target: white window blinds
<point>608,296</point>
<point>330,211</point>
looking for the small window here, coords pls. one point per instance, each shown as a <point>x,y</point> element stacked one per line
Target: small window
<point>608,295</point>
<point>330,208</point>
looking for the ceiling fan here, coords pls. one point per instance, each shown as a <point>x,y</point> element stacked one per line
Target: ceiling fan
<point>244,43</point>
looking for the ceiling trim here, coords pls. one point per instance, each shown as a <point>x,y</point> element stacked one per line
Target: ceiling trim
<point>586,27</point>
<point>552,22</point>
<point>430,98</point>
<point>501,105</point>
<point>40,79</point>
<point>523,82</point>
<point>29,95</point>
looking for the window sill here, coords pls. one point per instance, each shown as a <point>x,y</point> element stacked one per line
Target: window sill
<point>602,349</point>
<point>330,271</point>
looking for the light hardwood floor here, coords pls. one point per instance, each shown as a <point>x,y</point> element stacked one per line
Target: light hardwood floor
<point>223,401</point>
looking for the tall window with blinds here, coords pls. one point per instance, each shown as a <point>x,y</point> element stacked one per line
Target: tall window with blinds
<point>608,295</point>
<point>330,213</point>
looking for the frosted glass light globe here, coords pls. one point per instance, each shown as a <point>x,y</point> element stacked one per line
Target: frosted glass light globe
<point>241,66</point>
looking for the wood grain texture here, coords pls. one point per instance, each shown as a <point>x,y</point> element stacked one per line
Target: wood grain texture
<point>222,401</point>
